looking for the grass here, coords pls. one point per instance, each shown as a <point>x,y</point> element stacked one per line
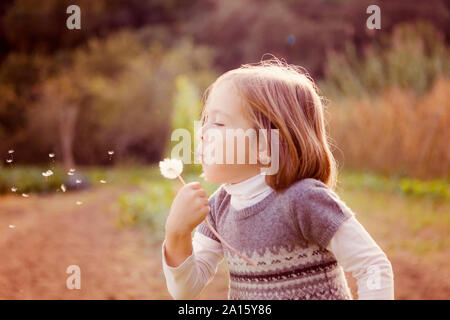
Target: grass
<point>30,179</point>
<point>149,207</point>
<point>433,188</point>
<point>415,221</point>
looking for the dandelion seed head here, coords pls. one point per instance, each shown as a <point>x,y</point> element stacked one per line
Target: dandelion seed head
<point>171,168</point>
<point>47,173</point>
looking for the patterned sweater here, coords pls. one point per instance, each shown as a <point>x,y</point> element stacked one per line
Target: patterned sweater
<point>286,235</point>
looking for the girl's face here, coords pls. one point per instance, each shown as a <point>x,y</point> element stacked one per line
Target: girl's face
<point>223,111</point>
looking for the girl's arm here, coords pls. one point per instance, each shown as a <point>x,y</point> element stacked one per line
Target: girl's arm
<point>358,253</point>
<point>187,280</point>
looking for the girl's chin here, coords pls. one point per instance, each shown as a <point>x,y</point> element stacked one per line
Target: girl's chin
<point>210,176</point>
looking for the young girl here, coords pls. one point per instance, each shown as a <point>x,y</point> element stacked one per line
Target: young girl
<point>300,235</point>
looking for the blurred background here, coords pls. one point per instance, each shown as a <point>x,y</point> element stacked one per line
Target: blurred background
<point>87,114</point>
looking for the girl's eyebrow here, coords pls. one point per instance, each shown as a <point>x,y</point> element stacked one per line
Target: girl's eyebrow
<point>221,112</point>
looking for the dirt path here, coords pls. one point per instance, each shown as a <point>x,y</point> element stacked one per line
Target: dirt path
<point>52,232</point>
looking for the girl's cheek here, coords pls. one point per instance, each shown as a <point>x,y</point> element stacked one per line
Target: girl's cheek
<point>233,152</point>
<point>211,144</point>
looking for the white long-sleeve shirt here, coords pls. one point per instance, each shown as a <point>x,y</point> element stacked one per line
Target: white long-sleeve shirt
<point>352,246</point>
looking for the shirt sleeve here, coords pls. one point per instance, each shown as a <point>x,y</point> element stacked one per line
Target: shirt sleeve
<point>358,253</point>
<point>188,280</point>
<point>320,212</point>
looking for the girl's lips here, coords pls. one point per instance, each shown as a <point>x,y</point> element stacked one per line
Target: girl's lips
<point>200,155</point>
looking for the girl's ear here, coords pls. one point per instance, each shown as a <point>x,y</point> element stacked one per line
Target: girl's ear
<point>263,159</point>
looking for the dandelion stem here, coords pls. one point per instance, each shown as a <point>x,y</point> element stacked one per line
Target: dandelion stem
<point>228,245</point>
<point>220,238</point>
<point>181,179</point>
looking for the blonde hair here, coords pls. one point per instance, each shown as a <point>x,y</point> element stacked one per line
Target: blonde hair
<point>277,95</point>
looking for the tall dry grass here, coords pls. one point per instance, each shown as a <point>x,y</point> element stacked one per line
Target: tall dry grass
<point>398,132</point>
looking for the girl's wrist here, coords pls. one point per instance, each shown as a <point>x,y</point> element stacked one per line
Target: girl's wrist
<point>177,234</point>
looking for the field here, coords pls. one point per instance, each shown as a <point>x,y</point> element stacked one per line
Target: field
<point>120,258</point>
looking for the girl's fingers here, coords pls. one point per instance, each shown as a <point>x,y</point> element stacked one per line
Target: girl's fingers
<point>194,185</point>
<point>205,210</point>
<point>202,202</point>
<point>201,193</point>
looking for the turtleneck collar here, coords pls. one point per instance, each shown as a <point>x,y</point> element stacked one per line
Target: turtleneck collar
<point>248,192</point>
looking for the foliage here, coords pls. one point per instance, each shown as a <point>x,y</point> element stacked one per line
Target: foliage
<point>30,179</point>
<point>410,58</point>
<point>122,88</point>
<point>149,208</point>
<point>437,189</point>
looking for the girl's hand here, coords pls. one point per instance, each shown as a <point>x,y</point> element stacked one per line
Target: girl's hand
<point>189,208</point>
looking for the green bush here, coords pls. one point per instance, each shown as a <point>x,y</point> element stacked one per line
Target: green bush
<point>433,188</point>
<point>30,179</point>
<point>437,188</point>
<point>150,207</point>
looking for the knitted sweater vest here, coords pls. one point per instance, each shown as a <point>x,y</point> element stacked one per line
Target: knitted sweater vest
<point>285,235</point>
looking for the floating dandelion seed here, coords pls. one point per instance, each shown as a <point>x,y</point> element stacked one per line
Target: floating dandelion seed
<point>51,155</point>
<point>10,160</point>
<point>25,195</point>
<point>79,203</point>
<point>78,181</point>
<point>47,173</point>
<point>110,153</point>
<point>63,188</point>
<point>103,181</point>
<point>13,189</point>
<point>171,169</point>
<point>11,226</point>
